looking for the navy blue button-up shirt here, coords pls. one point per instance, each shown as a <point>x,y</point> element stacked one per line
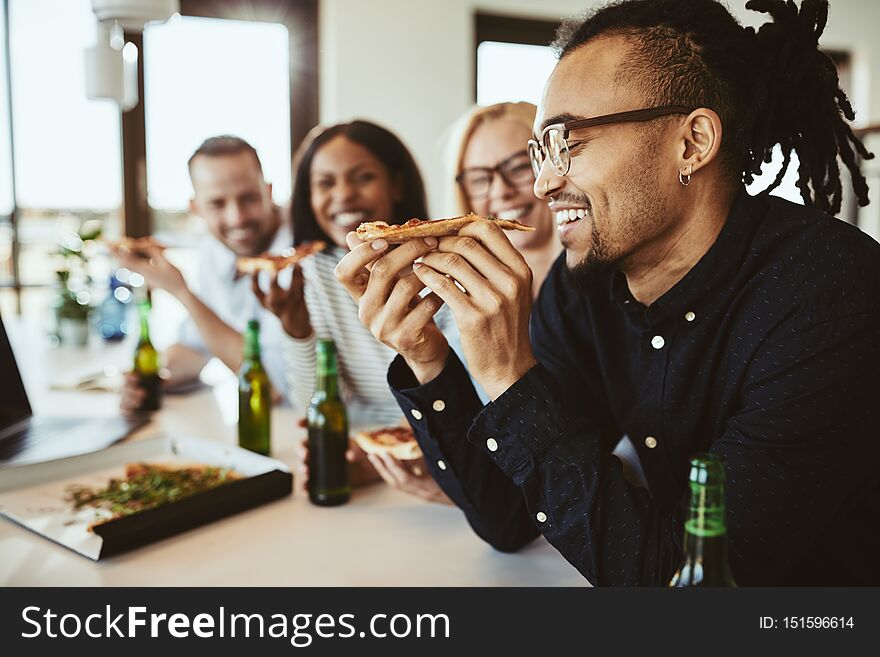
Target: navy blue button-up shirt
<point>767,352</point>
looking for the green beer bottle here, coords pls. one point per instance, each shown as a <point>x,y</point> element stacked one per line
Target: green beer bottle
<point>254,395</point>
<point>146,362</point>
<point>328,434</point>
<point>705,531</point>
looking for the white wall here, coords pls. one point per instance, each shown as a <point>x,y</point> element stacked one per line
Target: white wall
<point>408,64</point>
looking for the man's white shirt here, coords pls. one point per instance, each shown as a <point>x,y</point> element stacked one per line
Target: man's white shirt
<point>229,296</point>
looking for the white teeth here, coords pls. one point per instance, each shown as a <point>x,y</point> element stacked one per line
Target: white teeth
<point>512,215</point>
<point>567,216</point>
<point>348,218</point>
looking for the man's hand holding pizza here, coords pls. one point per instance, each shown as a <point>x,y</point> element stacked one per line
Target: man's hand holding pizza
<point>493,312</point>
<point>382,283</point>
<point>149,261</point>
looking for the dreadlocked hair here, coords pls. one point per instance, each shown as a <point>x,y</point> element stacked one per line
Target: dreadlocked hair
<point>770,87</point>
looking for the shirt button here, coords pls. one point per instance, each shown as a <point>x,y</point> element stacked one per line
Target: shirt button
<point>439,405</point>
<point>541,516</point>
<point>657,342</point>
<point>416,413</point>
<point>492,444</point>
<point>441,464</point>
<point>689,316</point>
<point>650,442</point>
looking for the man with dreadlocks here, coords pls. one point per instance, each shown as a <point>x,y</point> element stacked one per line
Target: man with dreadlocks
<point>684,314</point>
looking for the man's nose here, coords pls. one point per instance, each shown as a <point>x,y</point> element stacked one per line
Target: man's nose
<point>234,214</point>
<point>547,182</point>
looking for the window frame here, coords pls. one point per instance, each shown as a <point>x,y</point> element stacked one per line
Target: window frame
<point>300,17</point>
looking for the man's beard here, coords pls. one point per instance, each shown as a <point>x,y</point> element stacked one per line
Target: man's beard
<point>597,260</point>
<point>638,214</point>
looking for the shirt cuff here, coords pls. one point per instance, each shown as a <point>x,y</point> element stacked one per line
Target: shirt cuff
<point>451,389</point>
<point>522,423</point>
<point>440,413</point>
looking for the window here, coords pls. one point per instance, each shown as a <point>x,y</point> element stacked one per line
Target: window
<point>513,58</point>
<point>75,159</point>
<point>67,148</point>
<point>512,71</point>
<point>199,87</point>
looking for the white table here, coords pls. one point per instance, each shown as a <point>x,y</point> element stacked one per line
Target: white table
<point>381,538</point>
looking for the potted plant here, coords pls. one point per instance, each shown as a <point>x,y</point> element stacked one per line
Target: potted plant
<point>73,298</point>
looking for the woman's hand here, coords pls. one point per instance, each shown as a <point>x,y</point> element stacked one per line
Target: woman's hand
<point>288,305</point>
<point>409,476</point>
<point>360,472</point>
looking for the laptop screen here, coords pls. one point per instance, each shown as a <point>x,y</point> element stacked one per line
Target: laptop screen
<point>14,406</point>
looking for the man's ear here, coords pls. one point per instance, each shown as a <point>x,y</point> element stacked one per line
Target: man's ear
<point>699,140</point>
<point>192,207</point>
<point>269,190</point>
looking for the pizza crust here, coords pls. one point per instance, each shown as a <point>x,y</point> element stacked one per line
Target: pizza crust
<point>398,442</point>
<point>275,263</point>
<point>415,228</point>
<point>136,245</point>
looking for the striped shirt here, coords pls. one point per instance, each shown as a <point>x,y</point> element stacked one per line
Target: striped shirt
<point>362,361</point>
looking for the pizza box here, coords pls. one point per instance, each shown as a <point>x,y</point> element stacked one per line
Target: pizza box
<point>37,496</point>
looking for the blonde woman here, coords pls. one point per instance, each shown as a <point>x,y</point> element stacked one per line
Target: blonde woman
<point>493,177</point>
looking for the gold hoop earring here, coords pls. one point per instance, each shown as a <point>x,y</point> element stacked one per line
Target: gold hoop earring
<point>685,179</point>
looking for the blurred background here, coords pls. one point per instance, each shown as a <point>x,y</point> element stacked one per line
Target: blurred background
<point>99,117</point>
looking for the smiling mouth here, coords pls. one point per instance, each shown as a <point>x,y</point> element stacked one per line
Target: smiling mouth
<point>514,214</point>
<point>347,219</point>
<point>239,234</point>
<point>565,217</point>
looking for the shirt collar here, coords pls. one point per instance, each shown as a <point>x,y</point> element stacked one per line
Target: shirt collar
<point>718,265</point>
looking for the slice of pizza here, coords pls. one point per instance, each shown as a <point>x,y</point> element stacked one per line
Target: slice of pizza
<point>414,228</point>
<point>136,245</point>
<point>275,263</point>
<point>398,442</point>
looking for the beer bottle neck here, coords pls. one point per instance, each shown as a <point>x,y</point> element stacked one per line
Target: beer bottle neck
<point>705,539</point>
<point>326,382</point>
<point>252,345</point>
<point>144,310</point>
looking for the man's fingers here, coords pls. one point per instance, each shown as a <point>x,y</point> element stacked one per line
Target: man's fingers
<point>353,240</point>
<point>402,296</point>
<point>385,273</point>
<point>420,315</point>
<point>352,271</point>
<point>454,265</point>
<point>443,287</point>
<point>497,243</point>
<point>473,251</point>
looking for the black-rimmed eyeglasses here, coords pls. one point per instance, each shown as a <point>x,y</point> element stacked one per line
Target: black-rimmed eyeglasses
<point>515,171</point>
<point>553,143</point>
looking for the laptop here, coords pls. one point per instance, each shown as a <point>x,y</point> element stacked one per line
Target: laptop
<point>25,438</point>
